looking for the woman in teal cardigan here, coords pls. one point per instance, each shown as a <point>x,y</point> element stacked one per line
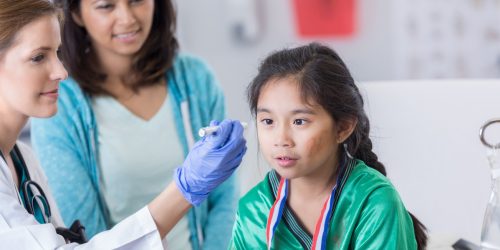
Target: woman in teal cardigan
<point>127,117</point>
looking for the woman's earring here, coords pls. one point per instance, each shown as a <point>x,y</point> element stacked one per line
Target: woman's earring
<point>347,151</point>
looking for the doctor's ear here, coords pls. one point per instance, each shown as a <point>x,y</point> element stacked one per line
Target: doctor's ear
<point>345,128</point>
<point>77,18</point>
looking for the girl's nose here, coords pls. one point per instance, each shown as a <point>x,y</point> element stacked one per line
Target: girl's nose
<point>282,137</point>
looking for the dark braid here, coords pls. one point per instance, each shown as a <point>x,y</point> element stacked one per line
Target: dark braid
<point>323,77</point>
<point>361,145</point>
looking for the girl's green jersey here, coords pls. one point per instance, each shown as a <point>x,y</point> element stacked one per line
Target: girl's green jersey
<point>368,214</point>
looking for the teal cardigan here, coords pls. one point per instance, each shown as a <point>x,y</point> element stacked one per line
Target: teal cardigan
<point>67,148</point>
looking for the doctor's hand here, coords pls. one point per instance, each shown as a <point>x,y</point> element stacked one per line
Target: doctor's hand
<point>211,161</point>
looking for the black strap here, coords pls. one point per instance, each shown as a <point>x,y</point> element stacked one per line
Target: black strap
<point>19,156</point>
<point>75,233</point>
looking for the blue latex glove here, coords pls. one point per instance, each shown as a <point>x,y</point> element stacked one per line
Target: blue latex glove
<point>211,161</point>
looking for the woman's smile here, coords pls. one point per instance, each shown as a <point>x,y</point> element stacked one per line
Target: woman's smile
<point>127,37</point>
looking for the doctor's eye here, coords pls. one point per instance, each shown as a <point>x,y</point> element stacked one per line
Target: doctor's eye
<point>38,58</point>
<point>59,54</point>
<point>266,121</point>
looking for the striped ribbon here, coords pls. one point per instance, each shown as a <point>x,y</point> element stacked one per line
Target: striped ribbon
<point>276,211</point>
<point>322,225</point>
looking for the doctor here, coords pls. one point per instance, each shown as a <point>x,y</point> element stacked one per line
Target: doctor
<point>30,72</point>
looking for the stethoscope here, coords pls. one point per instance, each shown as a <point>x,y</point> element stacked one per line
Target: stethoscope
<point>33,195</point>
<point>28,187</point>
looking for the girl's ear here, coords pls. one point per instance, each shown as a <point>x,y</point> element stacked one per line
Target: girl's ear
<point>77,18</point>
<point>345,129</point>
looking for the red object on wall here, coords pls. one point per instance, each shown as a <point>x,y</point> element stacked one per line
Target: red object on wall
<point>325,18</point>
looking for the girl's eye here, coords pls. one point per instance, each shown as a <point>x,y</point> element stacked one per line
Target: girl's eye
<point>38,58</point>
<point>136,1</point>
<point>267,121</point>
<point>299,122</point>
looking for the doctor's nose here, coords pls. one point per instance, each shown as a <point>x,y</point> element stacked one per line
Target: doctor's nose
<point>59,73</point>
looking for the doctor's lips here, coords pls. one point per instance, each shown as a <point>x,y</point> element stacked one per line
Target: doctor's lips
<point>52,93</point>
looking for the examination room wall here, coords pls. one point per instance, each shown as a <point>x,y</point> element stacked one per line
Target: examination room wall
<point>393,40</point>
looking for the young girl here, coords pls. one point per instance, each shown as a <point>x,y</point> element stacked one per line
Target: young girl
<point>129,113</point>
<point>327,189</point>
<point>30,72</point>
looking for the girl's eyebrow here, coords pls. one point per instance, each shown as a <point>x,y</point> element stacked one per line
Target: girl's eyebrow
<point>295,111</point>
<point>263,110</point>
<point>303,111</point>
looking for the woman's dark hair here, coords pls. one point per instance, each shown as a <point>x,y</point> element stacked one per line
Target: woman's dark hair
<point>151,62</point>
<point>324,78</point>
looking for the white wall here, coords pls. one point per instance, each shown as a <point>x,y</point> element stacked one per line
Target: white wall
<point>426,133</point>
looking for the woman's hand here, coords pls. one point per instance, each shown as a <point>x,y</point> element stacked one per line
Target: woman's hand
<point>211,161</point>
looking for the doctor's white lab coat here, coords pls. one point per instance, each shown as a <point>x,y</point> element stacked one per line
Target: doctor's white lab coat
<point>20,230</point>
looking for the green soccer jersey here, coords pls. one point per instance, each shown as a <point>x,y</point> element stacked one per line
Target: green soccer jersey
<point>368,214</point>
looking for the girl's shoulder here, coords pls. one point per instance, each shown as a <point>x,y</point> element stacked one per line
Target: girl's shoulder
<point>254,206</point>
<point>366,184</point>
<point>262,192</point>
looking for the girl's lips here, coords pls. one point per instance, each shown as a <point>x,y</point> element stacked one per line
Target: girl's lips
<point>286,162</point>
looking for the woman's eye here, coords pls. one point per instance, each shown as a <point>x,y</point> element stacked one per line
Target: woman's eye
<point>136,1</point>
<point>38,58</point>
<point>104,6</point>
<point>299,122</point>
<point>267,121</point>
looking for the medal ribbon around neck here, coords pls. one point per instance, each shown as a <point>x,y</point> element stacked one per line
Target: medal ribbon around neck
<point>276,211</point>
<point>322,225</point>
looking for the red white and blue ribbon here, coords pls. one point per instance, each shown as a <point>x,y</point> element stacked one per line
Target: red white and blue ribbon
<point>322,225</point>
<point>276,211</point>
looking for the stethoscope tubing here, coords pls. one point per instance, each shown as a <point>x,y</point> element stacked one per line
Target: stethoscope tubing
<point>27,186</point>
